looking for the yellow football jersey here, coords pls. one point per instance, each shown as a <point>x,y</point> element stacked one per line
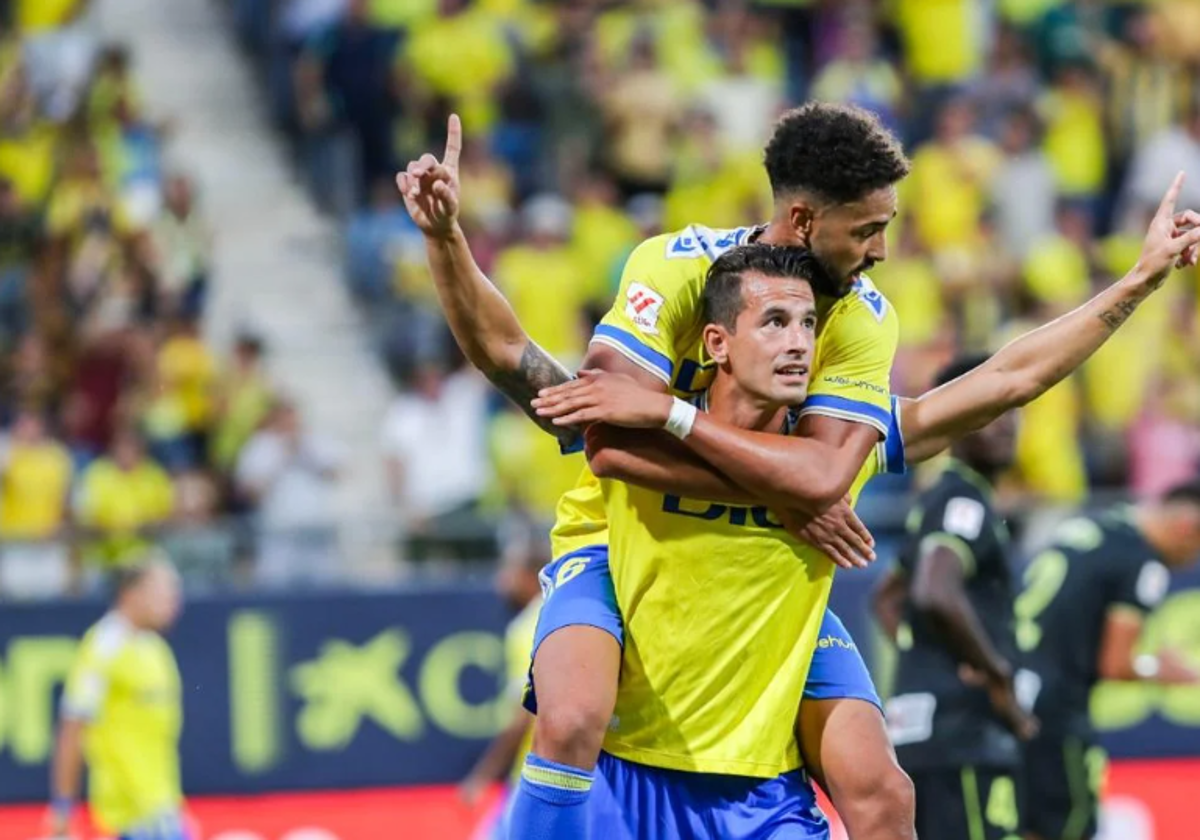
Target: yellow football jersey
<point>656,322</point>
<point>722,614</point>
<point>125,686</point>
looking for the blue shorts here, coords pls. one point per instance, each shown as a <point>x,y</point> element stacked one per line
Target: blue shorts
<point>634,802</point>
<point>578,590</point>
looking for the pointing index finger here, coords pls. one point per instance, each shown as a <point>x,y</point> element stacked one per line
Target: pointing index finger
<point>453,143</point>
<point>1167,208</point>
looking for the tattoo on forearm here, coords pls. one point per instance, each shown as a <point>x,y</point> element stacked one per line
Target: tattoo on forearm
<point>1119,314</point>
<point>536,370</point>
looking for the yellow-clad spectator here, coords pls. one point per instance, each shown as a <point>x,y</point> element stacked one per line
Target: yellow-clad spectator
<point>642,109</point>
<point>33,16</point>
<point>36,472</point>
<point>461,54</point>
<point>1057,270</point>
<point>401,14</point>
<point>1074,141</point>
<point>81,200</point>
<point>949,186</point>
<point>674,31</point>
<point>35,479</point>
<point>859,75</point>
<point>1049,455</point>
<point>714,187</point>
<point>244,397</point>
<point>542,278</point>
<point>122,498</point>
<point>941,39</point>
<point>909,280</point>
<point>602,233</point>
<point>487,183</point>
<point>180,411</point>
<point>28,145</point>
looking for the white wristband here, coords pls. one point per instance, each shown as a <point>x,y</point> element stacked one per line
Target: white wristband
<point>680,420</point>
<point>1147,666</point>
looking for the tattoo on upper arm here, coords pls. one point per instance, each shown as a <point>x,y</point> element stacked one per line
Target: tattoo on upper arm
<point>1119,314</point>
<point>536,370</point>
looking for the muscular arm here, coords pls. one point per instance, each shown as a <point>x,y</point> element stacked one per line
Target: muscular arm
<point>488,332</point>
<point>68,761</point>
<point>938,591</point>
<point>887,602</point>
<point>1018,373</point>
<point>653,459</point>
<point>808,471</point>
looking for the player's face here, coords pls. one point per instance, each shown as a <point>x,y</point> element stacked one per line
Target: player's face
<point>849,238</point>
<point>770,353</point>
<point>994,447</point>
<point>160,598</point>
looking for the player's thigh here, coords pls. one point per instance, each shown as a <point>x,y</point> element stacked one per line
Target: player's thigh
<point>1061,785</point>
<point>577,658</point>
<point>840,721</point>
<point>845,746</point>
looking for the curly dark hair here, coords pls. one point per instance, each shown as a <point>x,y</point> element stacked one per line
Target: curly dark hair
<point>838,152</point>
<point>722,300</point>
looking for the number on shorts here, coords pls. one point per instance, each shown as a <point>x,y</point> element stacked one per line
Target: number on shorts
<point>571,569</point>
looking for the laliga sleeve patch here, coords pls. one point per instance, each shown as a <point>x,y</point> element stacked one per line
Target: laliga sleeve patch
<point>642,307</point>
<point>1152,584</point>
<point>964,517</point>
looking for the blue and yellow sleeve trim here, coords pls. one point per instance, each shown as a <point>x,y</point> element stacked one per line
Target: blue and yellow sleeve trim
<point>855,411</point>
<point>632,348</point>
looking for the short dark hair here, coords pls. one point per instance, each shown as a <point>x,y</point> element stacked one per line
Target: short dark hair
<point>960,366</point>
<point>722,300</point>
<point>1186,493</point>
<point>838,152</point>
<point>126,578</point>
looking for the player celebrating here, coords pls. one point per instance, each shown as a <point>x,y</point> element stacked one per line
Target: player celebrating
<point>678,687</point>
<point>833,171</point>
<point>1078,620</point>
<point>875,793</point>
<point>122,711</point>
<point>952,587</point>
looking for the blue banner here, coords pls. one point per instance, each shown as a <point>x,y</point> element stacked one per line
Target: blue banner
<point>347,690</point>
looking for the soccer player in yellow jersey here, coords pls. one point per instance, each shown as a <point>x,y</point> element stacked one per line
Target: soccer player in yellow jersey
<point>122,713</point>
<point>833,171</point>
<point>707,677</point>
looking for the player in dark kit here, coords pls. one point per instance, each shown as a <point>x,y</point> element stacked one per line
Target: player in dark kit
<point>954,718</point>
<point>1078,620</point>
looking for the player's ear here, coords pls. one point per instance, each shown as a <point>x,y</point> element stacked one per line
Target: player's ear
<point>801,215</point>
<point>716,342</point>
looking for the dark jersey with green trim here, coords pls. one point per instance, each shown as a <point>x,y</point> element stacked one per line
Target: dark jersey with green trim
<point>935,719</point>
<point>1095,564</point>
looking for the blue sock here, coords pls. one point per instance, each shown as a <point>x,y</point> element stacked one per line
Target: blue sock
<point>551,802</point>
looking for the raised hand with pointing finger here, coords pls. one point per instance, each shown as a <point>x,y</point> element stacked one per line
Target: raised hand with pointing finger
<point>430,189</point>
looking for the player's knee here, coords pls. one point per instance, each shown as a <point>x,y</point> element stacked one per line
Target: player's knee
<point>571,733</point>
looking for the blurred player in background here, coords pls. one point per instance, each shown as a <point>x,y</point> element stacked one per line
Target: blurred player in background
<point>948,605</point>
<point>526,551</point>
<point>122,714</point>
<point>1083,607</point>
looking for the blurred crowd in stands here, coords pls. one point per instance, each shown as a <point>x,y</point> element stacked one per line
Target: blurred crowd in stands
<point>122,428</point>
<point>1042,133</point>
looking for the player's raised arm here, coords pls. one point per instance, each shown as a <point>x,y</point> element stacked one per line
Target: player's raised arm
<point>1028,366</point>
<point>481,319</point>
